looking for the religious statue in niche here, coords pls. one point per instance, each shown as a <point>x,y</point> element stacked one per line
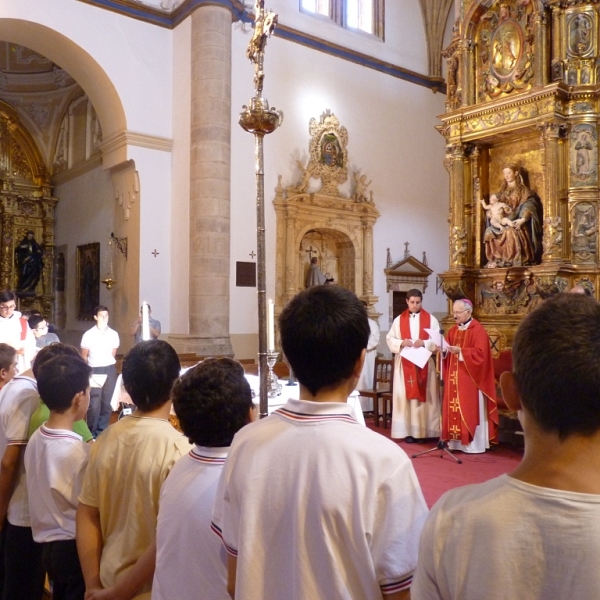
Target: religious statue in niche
<point>583,155</point>
<point>583,232</point>
<point>513,233</point>
<point>580,34</point>
<point>505,55</point>
<point>29,261</point>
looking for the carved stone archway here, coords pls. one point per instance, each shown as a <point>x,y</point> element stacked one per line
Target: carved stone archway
<point>346,224</point>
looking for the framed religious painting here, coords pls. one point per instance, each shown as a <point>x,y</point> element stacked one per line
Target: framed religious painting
<point>88,280</point>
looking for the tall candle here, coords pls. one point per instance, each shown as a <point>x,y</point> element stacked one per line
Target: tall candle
<point>270,326</point>
<point>145,321</point>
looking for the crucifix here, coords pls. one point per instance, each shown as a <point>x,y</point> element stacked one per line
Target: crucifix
<point>310,251</point>
<point>406,252</point>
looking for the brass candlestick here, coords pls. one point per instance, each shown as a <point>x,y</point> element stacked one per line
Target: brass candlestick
<point>260,120</point>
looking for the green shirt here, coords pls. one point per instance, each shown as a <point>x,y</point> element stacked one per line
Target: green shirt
<point>41,415</point>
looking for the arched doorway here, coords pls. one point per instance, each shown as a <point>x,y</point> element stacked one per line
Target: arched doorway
<point>104,187</point>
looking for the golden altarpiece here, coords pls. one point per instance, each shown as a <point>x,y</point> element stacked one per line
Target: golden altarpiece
<point>335,228</point>
<point>26,204</point>
<point>521,129</point>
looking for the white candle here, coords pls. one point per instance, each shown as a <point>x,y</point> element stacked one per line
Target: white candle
<point>145,322</point>
<point>270,326</point>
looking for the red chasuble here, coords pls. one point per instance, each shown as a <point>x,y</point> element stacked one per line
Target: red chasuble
<point>463,380</point>
<point>415,379</point>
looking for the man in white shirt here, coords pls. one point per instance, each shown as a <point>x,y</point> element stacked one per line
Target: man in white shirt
<point>534,533</point>
<point>15,331</point>
<point>98,348</point>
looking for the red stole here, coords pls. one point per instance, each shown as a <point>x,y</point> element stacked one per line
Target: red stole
<point>463,382</point>
<point>415,379</point>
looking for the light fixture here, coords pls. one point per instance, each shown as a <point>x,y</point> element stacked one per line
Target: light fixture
<point>114,244</point>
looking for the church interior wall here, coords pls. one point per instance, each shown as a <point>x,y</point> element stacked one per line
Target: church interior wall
<point>87,201</point>
<point>391,139</point>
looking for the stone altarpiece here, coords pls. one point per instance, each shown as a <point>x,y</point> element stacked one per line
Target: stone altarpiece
<point>26,204</point>
<point>336,228</point>
<point>523,103</point>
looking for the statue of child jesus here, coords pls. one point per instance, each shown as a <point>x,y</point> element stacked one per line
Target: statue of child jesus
<point>497,211</point>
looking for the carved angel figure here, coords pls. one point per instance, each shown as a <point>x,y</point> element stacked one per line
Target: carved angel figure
<point>302,185</point>
<point>360,193</point>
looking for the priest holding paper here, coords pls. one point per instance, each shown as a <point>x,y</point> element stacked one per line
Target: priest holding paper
<point>416,406</point>
<point>470,412</point>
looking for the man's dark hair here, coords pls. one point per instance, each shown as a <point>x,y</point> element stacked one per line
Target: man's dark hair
<point>49,352</point>
<point>35,320</point>
<point>7,296</point>
<point>100,308</point>
<point>60,378</point>
<point>414,293</point>
<point>323,330</point>
<point>556,364</point>
<point>149,371</point>
<point>7,356</point>
<point>212,401</point>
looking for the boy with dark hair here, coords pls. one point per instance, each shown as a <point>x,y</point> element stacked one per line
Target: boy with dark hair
<point>8,364</point>
<point>310,504</point>
<point>118,506</point>
<point>39,326</point>
<point>212,402</point>
<point>55,460</point>
<point>22,574</point>
<point>534,533</point>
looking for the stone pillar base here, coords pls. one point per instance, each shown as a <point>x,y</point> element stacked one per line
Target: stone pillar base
<point>202,346</point>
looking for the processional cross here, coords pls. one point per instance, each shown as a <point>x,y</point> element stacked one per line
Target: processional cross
<point>310,251</point>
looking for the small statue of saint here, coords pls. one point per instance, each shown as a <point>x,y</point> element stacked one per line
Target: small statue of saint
<point>29,260</point>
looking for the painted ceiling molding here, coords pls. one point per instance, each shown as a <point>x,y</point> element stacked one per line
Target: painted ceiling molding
<point>164,18</point>
<point>435,16</point>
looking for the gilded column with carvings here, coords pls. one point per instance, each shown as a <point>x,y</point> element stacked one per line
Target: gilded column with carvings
<point>553,226</point>
<point>458,235</point>
<point>368,258</point>
<point>291,255</point>
<point>7,254</point>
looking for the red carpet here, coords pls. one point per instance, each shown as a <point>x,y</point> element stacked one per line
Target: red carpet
<point>438,475</point>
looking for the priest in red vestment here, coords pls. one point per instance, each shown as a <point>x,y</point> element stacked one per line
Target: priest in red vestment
<point>470,413</point>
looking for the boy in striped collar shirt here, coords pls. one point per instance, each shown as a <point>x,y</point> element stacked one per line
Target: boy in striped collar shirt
<point>310,504</point>
<point>55,462</point>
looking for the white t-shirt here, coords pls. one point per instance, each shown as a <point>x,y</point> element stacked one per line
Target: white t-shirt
<point>55,462</point>
<point>508,539</point>
<point>100,343</point>
<point>191,561</point>
<point>316,506</point>
<point>19,399</point>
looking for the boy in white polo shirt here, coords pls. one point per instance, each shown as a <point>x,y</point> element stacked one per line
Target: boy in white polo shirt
<point>98,348</point>
<point>55,461</point>
<point>22,576</point>
<point>212,402</point>
<point>310,504</point>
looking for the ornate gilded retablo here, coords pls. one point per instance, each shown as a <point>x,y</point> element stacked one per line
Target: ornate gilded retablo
<point>505,50</point>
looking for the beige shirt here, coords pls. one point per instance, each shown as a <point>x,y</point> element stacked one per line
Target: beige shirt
<point>128,465</point>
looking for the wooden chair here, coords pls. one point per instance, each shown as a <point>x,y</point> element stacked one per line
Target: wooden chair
<point>382,382</point>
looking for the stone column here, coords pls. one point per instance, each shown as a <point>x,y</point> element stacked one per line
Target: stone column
<point>209,184</point>
<point>367,257</point>
<point>291,254</point>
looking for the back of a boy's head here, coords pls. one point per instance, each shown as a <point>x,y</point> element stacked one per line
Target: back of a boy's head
<point>556,364</point>
<point>7,356</point>
<point>149,370</point>
<point>323,331</point>
<point>60,378</point>
<point>212,402</point>
<point>50,352</point>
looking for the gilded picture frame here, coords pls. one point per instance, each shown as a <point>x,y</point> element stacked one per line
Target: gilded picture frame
<point>88,280</point>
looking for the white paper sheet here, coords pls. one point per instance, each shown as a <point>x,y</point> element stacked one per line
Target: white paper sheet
<point>437,338</point>
<point>418,356</point>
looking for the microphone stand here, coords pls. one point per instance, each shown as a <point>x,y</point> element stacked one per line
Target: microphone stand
<point>442,444</point>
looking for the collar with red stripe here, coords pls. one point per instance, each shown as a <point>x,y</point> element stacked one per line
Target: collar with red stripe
<point>306,411</point>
